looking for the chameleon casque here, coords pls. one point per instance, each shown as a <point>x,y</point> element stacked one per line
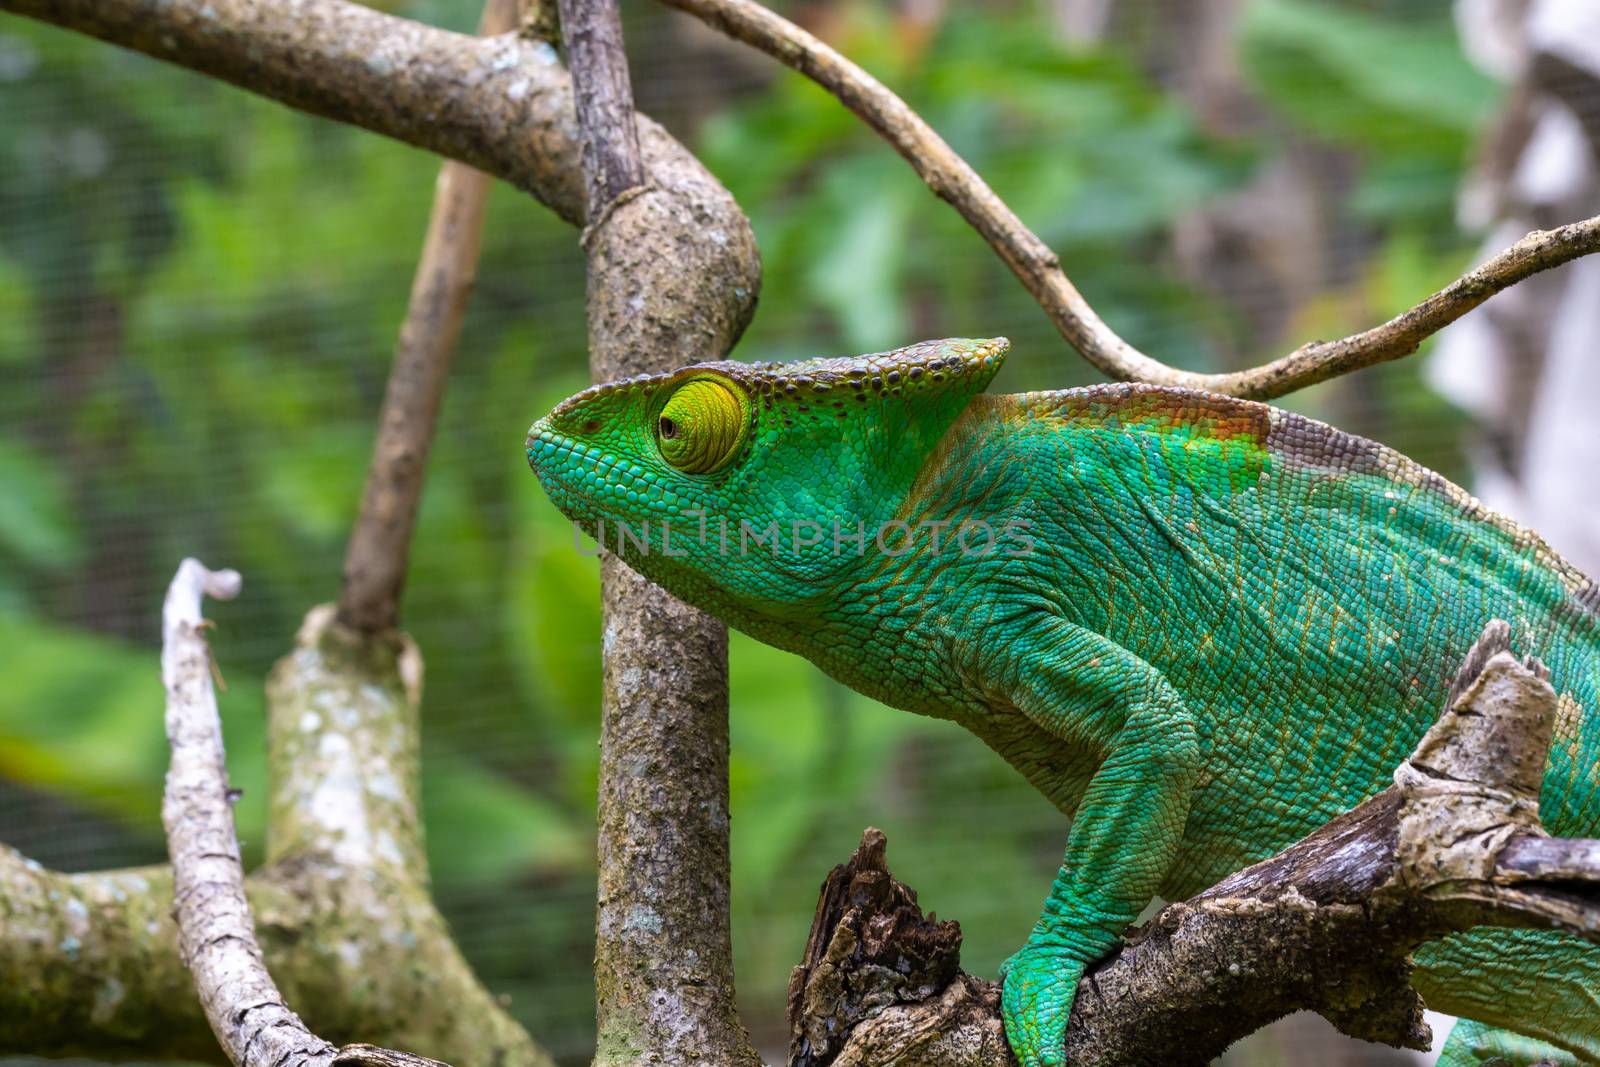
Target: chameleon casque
<point>1201,626</point>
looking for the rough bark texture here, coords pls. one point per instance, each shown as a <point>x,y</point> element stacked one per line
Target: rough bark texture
<point>216,934</point>
<point>376,960</point>
<point>89,966</point>
<point>665,287</point>
<point>380,543</point>
<point>612,167</point>
<point>1039,270</point>
<point>870,947</point>
<point>1326,925</point>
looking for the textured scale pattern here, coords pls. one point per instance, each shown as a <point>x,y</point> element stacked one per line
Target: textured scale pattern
<point>1201,626</point>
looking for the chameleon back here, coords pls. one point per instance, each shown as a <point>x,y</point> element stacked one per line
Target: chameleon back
<point>1309,592</point>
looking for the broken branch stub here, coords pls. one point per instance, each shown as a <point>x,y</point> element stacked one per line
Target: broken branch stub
<point>870,947</point>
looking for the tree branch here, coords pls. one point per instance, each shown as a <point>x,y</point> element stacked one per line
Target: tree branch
<point>380,542</point>
<point>216,933</point>
<point>353,934</point>
<point>612,168</point>
<point>663,953</point>
<point>1326,924</point>
<point>1039,270</point>
<point>89,965</point>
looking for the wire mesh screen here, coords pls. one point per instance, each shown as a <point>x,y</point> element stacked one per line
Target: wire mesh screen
<point>199,295</point>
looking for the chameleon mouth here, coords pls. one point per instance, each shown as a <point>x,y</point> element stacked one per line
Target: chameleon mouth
<point>584,480</point>
<point>567,470</point>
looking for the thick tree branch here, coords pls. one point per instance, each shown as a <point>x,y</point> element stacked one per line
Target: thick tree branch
<point>380,543</point>
<point>663,955</point>
<point>374,957</point>
<point>1039,269</point>
<point>89,965</point>
<point>216,931</point>
<point>1326,924</point>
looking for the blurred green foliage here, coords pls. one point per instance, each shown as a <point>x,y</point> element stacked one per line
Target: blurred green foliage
<point>199,293</point>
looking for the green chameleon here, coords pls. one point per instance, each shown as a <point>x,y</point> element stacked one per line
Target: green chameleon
<point>1200,626</point>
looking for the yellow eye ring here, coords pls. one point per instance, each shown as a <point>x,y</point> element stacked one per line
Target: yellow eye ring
<point>701,426</point>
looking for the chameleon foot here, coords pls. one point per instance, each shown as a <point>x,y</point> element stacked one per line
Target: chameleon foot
<point>1039,984</point>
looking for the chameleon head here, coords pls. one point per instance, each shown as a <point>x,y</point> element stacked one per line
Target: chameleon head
<point>744,486</point>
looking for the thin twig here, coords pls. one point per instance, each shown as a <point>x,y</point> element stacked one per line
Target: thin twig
<point>380,542</point>
<point>1039,269</point>
<point>216,933</point>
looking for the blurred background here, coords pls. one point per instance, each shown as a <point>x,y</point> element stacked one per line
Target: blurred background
<point>200,291</point>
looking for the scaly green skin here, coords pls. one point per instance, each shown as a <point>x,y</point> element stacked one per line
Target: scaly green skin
<point>1205,626</point>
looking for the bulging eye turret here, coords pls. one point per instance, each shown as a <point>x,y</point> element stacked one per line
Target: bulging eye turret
<point>703,423</point>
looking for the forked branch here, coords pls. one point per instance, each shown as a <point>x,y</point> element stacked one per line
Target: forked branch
<point>1039,269</point>
<point>1324,925</point>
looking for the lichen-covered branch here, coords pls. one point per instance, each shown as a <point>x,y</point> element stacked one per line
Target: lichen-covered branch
<point>661,283</point>
<point>376,960</point>
<point>89,966</point>
<point>1324,925</point>
<point>380,542</point>
<point>1039,269</point>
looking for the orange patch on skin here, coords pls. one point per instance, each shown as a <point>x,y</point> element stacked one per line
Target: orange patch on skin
<point>1221,418</point>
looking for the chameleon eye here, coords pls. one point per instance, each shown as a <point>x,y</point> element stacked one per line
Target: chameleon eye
<point>702,425</point>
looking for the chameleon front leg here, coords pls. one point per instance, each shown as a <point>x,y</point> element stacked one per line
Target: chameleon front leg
<point>1087,691</point>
